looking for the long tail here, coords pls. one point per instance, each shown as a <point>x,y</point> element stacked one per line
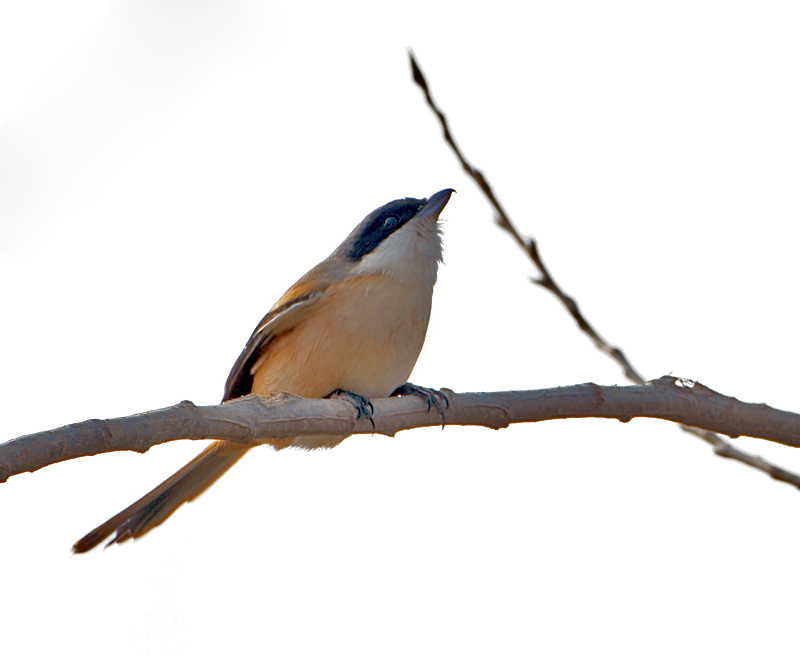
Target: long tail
<point>153,508</point>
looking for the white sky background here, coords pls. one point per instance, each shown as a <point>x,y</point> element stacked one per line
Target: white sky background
<point>168,169</point>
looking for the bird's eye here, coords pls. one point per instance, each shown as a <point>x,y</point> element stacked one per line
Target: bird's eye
<point>390,221</point>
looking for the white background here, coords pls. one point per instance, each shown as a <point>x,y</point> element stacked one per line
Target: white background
<point>169,168</point>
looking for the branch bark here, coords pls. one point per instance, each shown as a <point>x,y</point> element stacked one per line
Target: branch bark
<point>252,419</point>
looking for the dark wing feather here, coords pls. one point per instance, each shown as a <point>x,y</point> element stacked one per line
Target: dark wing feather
<point>279,319</point>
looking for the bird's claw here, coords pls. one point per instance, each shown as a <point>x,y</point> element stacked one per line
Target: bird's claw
<point>434,398</point>
<point>362,404</point>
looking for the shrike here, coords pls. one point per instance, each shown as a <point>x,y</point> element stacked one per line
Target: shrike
<point>354,325</point>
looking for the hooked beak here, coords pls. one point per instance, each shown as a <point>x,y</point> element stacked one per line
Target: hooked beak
<point>435,204</point>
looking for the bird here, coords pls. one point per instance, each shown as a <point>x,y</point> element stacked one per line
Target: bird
<point>352,327</point>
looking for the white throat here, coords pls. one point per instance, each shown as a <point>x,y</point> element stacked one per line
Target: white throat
<point>411,254</point>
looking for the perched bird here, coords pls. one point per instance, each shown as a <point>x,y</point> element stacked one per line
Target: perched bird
<point>354,326</point>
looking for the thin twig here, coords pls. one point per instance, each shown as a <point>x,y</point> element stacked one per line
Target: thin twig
<point>722,447</point>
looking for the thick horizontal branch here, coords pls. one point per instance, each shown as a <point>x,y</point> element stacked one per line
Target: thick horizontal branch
<point>253,419</point>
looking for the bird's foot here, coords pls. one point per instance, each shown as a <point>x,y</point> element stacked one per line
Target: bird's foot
<point>362,404</point>
<point>434,398</point>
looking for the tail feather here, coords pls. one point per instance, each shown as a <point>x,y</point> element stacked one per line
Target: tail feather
<point>156,506</point>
